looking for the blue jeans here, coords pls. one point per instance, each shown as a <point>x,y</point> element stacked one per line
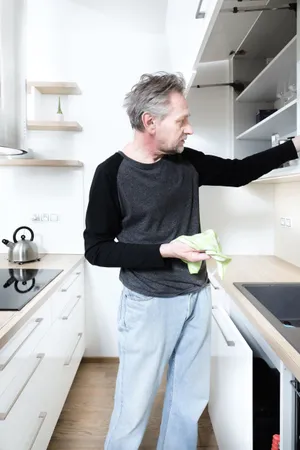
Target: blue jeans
<point>154,332</point>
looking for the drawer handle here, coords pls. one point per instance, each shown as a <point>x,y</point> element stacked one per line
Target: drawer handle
<point>65,317</point>
<point>68,361</point>
<point>199,13</point>
<point>42,417</point>
<point>36,323</point>
<point>6,395</point>
<point>65,289</point>
<point>229,343</point>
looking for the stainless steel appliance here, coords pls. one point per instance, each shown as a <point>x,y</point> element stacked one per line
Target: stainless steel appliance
<point>282,300</point>
<point>20,286</point>
<point>24,250</point>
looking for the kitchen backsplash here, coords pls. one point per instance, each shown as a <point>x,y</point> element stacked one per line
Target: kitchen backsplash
<point>287,239</point>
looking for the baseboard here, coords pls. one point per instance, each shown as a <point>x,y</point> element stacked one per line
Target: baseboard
<point>100,359</point>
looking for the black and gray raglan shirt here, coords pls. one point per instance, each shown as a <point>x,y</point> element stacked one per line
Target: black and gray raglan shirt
<point>135,207</point>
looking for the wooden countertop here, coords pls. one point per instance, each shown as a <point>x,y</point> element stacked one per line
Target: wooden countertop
<point>263,269</point>
<point>11,321</point>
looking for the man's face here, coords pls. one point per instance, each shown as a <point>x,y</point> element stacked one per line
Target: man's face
<point>172,131</point>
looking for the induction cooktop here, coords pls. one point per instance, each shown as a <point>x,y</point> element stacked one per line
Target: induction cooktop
<point>20,286</point>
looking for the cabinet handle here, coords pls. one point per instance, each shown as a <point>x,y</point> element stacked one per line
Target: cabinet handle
<point>36,323</point>
<point>293,383</point>
<point>65,289</point>
<point>229,343</point>
<point>200,14</point>
<point>215,287</point>
<point>42,417</point>
<point>6,394</point>
<point>68,361</point>
<point>65,317</point>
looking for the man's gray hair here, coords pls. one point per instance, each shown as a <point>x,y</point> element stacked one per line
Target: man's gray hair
<point>151,94</point>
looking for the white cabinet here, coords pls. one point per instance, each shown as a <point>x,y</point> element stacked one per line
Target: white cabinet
<point>230,404</point>
<point>37,368</point>
<point>260,47</point>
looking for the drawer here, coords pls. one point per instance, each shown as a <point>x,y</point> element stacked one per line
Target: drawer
<point>34,398</point>
<point>71,289</point>
<point>59,343</point>
<point>25,406</point>
<point>14,355</point>
<point>73,337</point>
<point>73,327</point>
<point>61,386</point>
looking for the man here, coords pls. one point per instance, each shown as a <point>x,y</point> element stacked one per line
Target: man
<point>145,196</point>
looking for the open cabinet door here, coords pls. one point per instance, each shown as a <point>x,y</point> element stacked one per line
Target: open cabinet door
<point>230,405</point>
<point>187,35</point>
<point>206,14</point>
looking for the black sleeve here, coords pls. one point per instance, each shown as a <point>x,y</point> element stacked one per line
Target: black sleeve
<point>216,171</point>
<point>103,224</point>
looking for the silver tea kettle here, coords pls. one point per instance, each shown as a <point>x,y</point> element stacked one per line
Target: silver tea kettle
<point>24,250</point>
<point>20,278</point>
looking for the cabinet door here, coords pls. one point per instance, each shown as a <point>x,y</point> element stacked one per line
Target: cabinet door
<point>186,35</point>
<point>230,404</point>
<point>207,13</point>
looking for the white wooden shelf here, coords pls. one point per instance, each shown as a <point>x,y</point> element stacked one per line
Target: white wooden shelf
<point>283,175</point>
<point>264,87</point>
<point>40,162</point>
<point>53,126</point>
<point>54,87</point>
<point>283,122</point>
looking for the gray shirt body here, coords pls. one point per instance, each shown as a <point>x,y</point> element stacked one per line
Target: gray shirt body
<point>159,202</point>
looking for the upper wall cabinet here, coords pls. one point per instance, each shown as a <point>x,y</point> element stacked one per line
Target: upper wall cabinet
<point>265,111</point>
<point>236,20</point>
<point>260,41</point>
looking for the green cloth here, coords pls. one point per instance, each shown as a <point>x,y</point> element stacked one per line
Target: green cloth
<point>209,242</point>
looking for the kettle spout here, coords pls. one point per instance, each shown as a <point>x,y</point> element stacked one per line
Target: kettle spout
<point>8,243</point>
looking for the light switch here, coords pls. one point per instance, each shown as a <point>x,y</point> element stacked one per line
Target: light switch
<point>282,222</point>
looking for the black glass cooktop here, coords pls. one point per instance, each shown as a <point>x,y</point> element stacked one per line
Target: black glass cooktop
<point>19,286</point>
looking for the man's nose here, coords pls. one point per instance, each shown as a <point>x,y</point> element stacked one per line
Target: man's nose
<point>188,129</point>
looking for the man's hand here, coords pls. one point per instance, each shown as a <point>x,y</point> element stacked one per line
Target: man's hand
<point>182,251</point>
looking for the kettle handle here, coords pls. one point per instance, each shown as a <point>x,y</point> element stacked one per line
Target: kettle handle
<point>23,228</point>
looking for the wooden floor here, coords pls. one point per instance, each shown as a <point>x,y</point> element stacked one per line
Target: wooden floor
<point>84,421</point>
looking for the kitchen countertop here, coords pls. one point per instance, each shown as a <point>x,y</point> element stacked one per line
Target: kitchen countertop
<point>284,341</point>
<point>12,321</point>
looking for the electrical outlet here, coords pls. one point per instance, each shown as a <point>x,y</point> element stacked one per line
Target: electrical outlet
<point>54,218</point>
<point>282,221</point>
<point>288,222</point>
<point>45,217</point>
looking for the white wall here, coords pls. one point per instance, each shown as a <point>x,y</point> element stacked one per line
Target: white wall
<point>287,240</point>
<point>104,46</point>
<point>242,217</point>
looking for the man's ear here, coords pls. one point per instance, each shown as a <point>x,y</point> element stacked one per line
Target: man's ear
<point>149,122</point>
